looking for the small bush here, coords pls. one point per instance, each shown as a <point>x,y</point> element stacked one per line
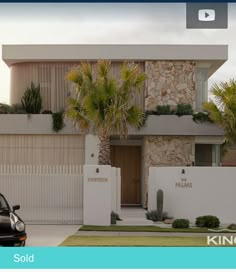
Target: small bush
<point>14,109</point>
<point>207,221</point>
<point>163,110</point>
<point>180,224</point>
<point>232,227</point>
<point>152,215</point>
<point>184,109</point>
<point>4,108</point>
<point>17,109</point>
<point>32,100</point>
<point>200,117</point>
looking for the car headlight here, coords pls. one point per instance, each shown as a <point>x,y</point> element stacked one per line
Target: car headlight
<point>16,224</point>
<point>20,226</point>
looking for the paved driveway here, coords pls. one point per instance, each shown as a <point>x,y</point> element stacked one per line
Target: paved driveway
<point>48,235</point>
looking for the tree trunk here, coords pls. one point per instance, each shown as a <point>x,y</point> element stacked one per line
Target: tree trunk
<point>104,157</point>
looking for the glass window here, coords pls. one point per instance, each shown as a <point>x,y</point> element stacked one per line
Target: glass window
<point>207,155</point>
<point>201,87</point>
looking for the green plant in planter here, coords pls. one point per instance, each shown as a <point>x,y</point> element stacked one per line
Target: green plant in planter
<point>57,121</point>
<point>17,109</point>
<point>32,100</point>
<point>184,109</point>
<point>4,108</point>
<point>200,117</point>
<point>163,110</point>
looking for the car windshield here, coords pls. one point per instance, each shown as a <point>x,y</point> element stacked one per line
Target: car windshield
<point>3,203</point>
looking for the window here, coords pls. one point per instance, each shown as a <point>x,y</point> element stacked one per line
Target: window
<point>207,155</point>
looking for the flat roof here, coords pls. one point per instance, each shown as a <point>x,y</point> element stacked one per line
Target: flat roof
<point>215,55</point>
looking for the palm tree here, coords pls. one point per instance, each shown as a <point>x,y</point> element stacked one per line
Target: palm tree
<point>222,109</point>
<point>104,103</point>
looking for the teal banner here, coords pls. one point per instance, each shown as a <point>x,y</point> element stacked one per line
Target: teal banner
<point>118,257</point>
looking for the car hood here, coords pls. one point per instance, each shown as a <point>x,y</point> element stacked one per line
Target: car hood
<point>5,224</point>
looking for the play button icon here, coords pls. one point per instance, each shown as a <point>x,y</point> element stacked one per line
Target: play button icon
<point>206,15</point>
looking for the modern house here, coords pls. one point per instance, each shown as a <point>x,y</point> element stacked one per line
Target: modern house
<point>176,74</point>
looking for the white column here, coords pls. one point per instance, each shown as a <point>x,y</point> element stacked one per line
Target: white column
<point>97,195</point>
<point>91,149</point>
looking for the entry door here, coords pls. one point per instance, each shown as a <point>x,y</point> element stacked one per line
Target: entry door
<point>128,158</point>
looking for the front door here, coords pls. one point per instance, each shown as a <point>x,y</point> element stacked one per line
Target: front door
<point>128,158</point>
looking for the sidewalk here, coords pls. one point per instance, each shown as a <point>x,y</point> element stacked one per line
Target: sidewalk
<point>129,233</point>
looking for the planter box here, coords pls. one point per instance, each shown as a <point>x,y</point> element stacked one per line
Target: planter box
<point>174,125</point>
<point>155,125</point>
<point>31,124</point>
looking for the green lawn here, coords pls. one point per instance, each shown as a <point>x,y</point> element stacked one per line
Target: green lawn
<point>142,229</point>
<point>133,241</point>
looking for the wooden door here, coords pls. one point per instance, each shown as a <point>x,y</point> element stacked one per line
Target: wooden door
<point>128,158</point>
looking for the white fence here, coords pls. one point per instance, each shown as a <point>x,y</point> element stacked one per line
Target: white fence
<point>190,192</point>
<point>46,194</point>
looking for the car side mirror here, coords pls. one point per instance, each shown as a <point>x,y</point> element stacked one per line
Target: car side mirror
<point>15,207</point>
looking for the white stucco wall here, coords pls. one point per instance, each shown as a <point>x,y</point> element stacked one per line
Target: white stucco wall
<point>91,149</point>
<point>207,191</point>
<point>97,195</point>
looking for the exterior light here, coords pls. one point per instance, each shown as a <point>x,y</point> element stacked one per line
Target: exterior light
<point>97,170</point>
<point>183,171</point>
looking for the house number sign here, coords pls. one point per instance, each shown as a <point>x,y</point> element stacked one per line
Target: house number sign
<point>183,183</point>
<point>97,179</point>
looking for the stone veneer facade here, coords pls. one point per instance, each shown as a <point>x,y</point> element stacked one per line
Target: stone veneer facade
<point>167,151</point>
<point>169,83</point>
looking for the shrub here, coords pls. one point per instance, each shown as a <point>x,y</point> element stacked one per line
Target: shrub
<point>163,110</point>
<point>31,100</point>
<point>180,224</point>
<point>184,109</point>
<point>14,109</point>
<point>152,215</point>
<point>232,227</point>
<point>4,108</point>
<point>207,221</point>
<point>200,117</point>
<point>17,109</point>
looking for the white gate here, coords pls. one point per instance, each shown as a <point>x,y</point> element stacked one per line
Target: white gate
<point>46,194</point>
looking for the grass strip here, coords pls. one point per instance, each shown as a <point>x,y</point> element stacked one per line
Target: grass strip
<point>134,241</point>
<point>143,229</point>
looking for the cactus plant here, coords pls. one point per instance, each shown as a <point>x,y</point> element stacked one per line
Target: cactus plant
<point>160,197</point>
<point>31,100</point>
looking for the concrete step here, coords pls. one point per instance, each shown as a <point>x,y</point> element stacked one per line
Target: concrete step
<point>134,222</point>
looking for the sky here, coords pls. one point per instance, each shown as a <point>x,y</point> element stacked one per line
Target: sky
<point>76,23</point>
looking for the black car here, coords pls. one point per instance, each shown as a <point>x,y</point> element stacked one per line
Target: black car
<point>12,227</point>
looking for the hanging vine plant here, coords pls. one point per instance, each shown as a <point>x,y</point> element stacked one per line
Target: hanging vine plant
<point>57,121</point>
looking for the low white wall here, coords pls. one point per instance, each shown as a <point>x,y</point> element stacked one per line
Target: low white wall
<point>200,191</point>
<point>101,194</point>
